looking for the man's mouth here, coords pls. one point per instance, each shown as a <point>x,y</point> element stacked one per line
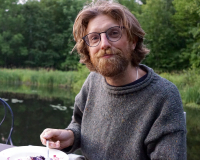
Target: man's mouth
<point>107,55</point>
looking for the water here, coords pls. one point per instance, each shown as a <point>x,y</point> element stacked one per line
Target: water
<point>38,108</point>
<point>33,113</point>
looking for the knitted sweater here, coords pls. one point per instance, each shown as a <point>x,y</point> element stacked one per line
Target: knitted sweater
<point>138,122</point>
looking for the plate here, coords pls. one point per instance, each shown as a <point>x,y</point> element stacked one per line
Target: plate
<point>16,153</point>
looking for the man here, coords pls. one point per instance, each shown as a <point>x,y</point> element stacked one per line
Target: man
<point>124,109</point>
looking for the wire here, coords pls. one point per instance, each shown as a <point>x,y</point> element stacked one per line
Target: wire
<point>12,125</point>
<point>4,114</point>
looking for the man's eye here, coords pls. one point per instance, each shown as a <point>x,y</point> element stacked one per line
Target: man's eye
<point>114,33</point>
<point>94,38</point>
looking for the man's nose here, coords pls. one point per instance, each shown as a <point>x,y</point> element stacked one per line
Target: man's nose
<point>105,43</point>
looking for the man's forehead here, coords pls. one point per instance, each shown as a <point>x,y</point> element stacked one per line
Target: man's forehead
<point>101,23</point>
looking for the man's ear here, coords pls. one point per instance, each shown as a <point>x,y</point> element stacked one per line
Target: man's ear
<point>134,42</point>
<point>133,45</point>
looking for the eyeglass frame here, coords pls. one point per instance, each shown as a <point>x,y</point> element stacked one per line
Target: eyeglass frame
<point>121,27</point>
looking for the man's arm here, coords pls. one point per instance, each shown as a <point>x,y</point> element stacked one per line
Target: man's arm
<point>75,125</point>
<point>167,137</point>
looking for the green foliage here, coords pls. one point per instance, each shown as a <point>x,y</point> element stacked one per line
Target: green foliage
<point>11,37</point>
<point>134,7</point>
<point>186,81</point>
<point>39,77</point>
<point>80,78</point>
<point>43,92</point>
<point>48,78</point>
<point>187,23</point>
<point>161,37</point>
<point>49,32</point>
<point>39,33</point>
<point>188,85</point>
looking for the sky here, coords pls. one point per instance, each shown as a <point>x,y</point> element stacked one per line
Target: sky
<point>23,1</point>
<point>138,1</point>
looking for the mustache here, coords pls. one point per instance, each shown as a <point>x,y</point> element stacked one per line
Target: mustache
<point>108,51</point>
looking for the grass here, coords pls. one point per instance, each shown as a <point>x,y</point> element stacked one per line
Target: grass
<point>34,77</point>
<point>42,77</point>
<point>187,81</point>
<point>43,92</point>
<point>188,84</point>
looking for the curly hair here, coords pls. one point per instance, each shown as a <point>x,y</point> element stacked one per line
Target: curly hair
<point>119,13</point>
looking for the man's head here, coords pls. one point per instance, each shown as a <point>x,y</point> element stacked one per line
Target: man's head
<point>97,15</point>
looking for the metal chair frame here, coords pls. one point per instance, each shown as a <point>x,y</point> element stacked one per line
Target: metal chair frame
<point>185,116</point>
<point>12,122</point>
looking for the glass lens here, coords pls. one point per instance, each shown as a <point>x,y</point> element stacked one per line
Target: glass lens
<point>93,39</point>
<point>114,33</point>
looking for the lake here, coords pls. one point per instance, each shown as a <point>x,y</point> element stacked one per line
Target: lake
<point>36,108</point>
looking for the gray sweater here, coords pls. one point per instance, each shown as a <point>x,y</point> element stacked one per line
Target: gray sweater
<point>137,122</point>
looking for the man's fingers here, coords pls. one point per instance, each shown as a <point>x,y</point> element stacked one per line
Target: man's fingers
<point>58,138</point>
<point>47,134</point>
<point>54,144</point>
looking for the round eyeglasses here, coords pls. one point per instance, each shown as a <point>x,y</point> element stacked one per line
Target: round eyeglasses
<point>113,34</point>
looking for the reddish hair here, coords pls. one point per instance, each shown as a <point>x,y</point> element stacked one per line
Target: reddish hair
<point>119,13</point>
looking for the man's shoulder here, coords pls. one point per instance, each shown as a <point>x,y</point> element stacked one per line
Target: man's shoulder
<point>166,83</point>
<point>89,86</point>
<point>165,86</point>
<point>157,79</point>
<point>93,77</point>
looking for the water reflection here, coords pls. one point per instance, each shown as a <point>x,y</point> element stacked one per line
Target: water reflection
<point>32,114</point>
<point>16,101</point>
<point>55,107</point>
<point>193,133</point>
<point>52,108</point>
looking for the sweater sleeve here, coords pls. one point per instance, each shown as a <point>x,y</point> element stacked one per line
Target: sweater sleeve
<point>75,125</point>
<point>167,136</point>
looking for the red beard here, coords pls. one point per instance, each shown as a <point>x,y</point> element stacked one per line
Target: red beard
<point>111,66</point>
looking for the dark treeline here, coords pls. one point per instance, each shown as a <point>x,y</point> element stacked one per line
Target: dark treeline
<point>39,34</point>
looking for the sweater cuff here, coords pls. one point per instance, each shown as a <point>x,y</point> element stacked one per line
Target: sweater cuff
<point>76,144</point>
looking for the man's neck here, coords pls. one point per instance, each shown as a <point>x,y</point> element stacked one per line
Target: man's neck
<point>130,75</point>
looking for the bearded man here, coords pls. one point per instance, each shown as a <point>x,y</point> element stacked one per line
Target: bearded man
<point>124,110</point>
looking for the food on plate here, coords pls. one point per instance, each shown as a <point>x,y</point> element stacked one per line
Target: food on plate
<point>35,158</point>
<point>31,158</point>
<point>42,158</point>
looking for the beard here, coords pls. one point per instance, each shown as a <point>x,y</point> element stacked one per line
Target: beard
<point>112,66</point>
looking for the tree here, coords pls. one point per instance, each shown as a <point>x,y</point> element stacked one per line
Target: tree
<point>11,39</point>
<point>187,22</point>
<point>49,33</point>
<point>38,33</point>
<point>161,38</point>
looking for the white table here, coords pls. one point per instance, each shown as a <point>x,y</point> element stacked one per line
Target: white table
<point>5,146</point>
<point>71,156</point>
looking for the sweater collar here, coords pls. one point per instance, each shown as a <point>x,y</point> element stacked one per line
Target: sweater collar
<point>132,88</point>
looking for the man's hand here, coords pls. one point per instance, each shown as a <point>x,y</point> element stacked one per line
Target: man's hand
<point>58,138</point>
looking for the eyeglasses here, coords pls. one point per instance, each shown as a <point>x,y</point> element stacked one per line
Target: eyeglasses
<point>113,34</point>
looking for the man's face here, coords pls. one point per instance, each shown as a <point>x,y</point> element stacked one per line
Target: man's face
<point>109,58</point>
